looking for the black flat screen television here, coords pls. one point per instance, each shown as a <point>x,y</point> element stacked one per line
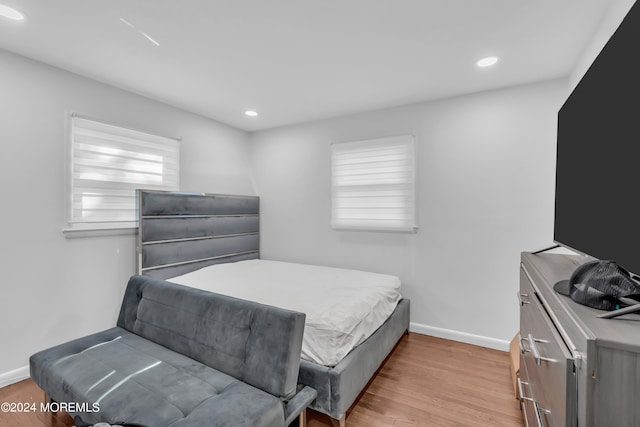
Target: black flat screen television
<point>597,202</point>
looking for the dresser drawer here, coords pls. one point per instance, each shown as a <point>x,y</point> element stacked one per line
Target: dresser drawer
<point>547,362</point>
<point>527,403</point>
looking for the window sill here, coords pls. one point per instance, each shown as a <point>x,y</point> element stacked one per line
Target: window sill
<point>82,232</point>
<point>413,230</point>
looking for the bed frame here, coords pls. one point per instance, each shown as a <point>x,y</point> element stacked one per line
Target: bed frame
<point>183,232</point>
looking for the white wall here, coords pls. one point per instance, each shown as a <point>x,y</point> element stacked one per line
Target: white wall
<point>608,26</point>
<point>53,288</point>
<point>486,165</point>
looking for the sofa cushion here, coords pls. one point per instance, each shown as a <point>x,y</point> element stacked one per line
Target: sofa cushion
<point>255,343</point>
<point>136,380</point>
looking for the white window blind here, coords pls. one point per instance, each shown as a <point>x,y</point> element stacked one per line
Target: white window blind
<point>108,163</point>
<point>373,184</point>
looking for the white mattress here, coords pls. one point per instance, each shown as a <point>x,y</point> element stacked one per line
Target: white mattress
<point>342,307</point>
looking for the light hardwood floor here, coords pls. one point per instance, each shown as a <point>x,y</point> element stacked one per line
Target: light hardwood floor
<point>425,382</point>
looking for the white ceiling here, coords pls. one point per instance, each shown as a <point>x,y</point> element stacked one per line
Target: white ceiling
<point>300,60</point>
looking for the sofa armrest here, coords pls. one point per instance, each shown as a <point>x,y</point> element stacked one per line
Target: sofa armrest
<point>298,403</point>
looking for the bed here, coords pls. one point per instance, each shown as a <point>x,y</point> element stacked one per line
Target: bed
<point>212,242</point>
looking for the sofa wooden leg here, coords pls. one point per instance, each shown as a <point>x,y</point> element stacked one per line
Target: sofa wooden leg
<point>48,399</point>
<point>53,416</point>
<point>302,418</point>
<point>341,422</point>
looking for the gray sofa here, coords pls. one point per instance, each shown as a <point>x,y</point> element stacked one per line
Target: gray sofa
<point>182,357</point>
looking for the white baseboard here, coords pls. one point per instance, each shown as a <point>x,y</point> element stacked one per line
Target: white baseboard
<point>464,337</point>
<point>11,377</point>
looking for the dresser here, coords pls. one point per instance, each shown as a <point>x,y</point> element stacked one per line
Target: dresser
<point>575,368</point>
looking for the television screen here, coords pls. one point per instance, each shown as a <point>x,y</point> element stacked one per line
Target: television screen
<point>597,203</point>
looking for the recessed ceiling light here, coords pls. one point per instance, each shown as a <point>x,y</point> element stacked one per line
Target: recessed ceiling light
<point>251,113</point>
<point>487,62</point>
<point>11,13</point>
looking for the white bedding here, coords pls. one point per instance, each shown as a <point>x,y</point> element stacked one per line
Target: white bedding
<point>342,307</point>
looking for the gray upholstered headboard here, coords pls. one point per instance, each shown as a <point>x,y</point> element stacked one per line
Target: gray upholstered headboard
<point>181,232</point>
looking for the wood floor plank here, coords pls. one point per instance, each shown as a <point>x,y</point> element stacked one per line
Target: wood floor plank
<point>27,392</point>
<point>425,382</point>
<point>429,381</point>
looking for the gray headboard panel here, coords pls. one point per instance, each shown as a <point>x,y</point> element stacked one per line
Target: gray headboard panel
<point>182,232</point>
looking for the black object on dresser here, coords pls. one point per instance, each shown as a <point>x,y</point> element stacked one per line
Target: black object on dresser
<point>575,369</point>
<point>597,154</point>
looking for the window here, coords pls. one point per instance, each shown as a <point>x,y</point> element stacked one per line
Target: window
<point>373,184</point>
<point>108,163</point>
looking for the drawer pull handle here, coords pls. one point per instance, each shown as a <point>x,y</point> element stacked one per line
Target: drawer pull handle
<point>539,411</point>
<point>520,296</point>
<point>521,391</point>
<point>536,353</point>
<point>534,349</point>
